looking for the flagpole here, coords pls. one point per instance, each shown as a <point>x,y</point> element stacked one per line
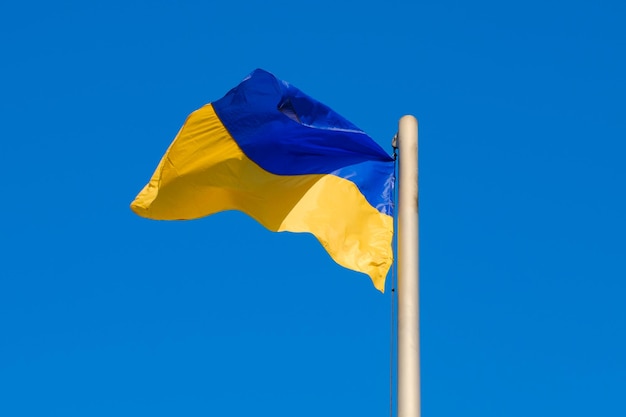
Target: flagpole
<point>409,401</point>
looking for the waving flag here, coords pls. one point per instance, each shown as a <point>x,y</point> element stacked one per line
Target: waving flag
<point>287,160</point>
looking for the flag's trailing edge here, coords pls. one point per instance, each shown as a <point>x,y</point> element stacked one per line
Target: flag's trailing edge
<point>287,160</point>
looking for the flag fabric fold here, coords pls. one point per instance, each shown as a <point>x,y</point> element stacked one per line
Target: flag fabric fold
<point>288,161</point>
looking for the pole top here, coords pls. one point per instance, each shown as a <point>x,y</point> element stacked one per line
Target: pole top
<point>408,118</point>
<point>407,133</point>
<point>408,121</point>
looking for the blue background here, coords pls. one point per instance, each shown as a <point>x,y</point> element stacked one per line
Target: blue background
<point>522,129</point>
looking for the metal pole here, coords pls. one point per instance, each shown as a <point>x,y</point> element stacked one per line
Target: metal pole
<point>409,401</point>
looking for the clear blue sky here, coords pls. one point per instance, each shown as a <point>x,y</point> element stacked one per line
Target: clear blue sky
<point>522,143</point>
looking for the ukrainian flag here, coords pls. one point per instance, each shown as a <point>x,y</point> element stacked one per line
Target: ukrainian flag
<point>287,160</point>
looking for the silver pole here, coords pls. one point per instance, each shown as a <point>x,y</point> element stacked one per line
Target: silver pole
<point>409,401</point>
